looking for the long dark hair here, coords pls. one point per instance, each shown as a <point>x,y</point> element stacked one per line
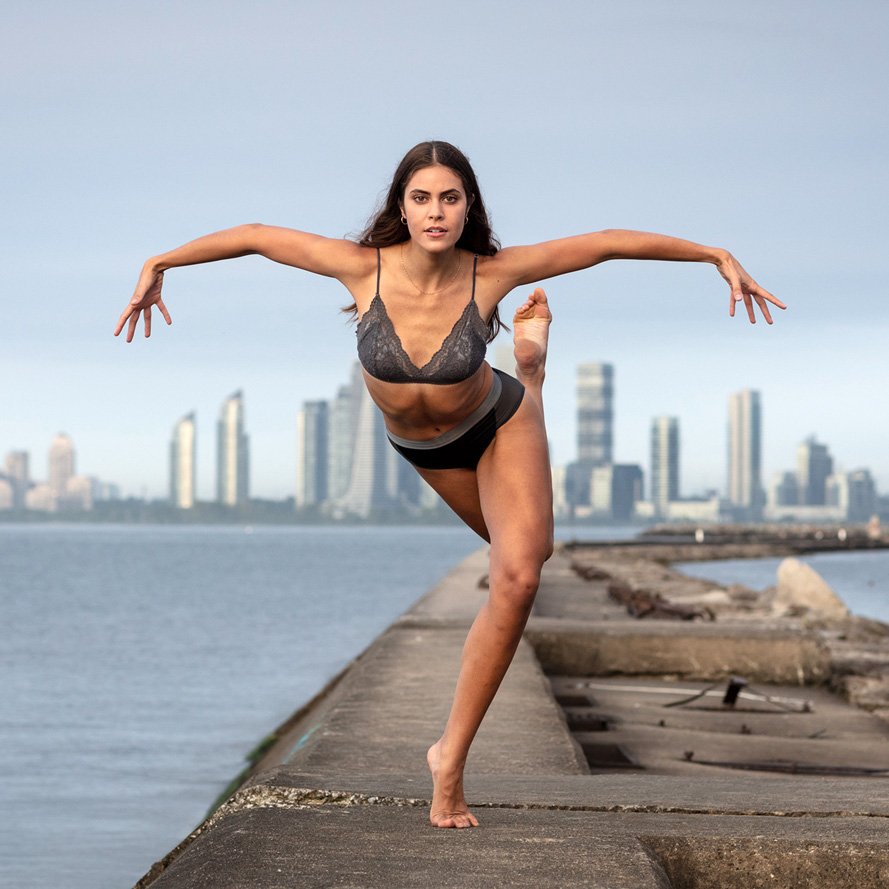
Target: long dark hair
<point>385,228</point>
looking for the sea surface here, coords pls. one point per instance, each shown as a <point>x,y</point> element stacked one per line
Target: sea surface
<point>139,665</point>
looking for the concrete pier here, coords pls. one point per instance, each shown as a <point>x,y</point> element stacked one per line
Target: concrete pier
<point>596,765</point>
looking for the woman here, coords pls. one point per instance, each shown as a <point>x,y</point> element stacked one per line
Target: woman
<point>426,279</point>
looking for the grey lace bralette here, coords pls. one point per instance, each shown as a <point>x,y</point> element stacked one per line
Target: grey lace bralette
<point>382,355</point>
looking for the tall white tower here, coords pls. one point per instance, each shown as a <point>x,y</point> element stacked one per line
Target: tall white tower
<point>61,464</point>
<point>232,452</point>
<point>595,413</point>
<point>183,463</point>
<point>664,462</point>
<point>745,453</point>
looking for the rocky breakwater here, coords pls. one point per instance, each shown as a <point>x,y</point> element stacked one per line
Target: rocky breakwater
<point>848,654</point>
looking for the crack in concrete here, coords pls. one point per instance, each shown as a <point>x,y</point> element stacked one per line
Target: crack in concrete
<point>266,796</point>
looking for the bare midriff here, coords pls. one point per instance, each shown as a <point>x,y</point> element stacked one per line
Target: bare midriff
<point>421,411</point>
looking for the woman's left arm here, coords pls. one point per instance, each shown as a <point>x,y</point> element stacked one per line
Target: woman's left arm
<point>527,265</point>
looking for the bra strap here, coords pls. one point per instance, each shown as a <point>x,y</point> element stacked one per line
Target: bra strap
<point>378,274</point>
<point>474,264</point>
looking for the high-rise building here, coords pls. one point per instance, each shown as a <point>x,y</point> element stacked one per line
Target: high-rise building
<point>232,453</point>
<point>744,454</point>
<point>17,476</point>
<point>854,493</point>
<point>813,466</point>
<point>373,484</point>
<point>784,490</point>
<point>183,463</point>
<point>312,460</point>
<point>664,463</point>
<point>615,490</point>
<point>341,439</point>
<point>595,413</point>
<point>61,464</point>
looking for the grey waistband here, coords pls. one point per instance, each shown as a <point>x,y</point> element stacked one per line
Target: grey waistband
<point>458,430</point>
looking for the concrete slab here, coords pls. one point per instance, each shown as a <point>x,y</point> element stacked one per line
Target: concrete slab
<point>394,703</point>
<point>385,846</point>
<point>728,794</point>
<point>832,735</point>
<point>365,848</point>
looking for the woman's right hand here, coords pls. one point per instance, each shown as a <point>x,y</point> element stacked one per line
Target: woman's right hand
<point>146,295</point>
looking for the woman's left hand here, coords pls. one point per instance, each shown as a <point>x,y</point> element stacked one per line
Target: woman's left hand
<point>745,288</point>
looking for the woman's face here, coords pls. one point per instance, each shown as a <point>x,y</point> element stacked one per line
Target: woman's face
<point>435,206</point>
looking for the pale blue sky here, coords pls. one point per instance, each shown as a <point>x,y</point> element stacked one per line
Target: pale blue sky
<point>129,128</point>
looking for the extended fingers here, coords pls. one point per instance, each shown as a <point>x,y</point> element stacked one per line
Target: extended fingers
<point>122,320</point>
<point>134,320</point>
<point>164,312</point>
<point>763,298</point>
<point>764,294</point>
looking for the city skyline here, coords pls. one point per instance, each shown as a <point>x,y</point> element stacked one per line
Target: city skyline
<point>595,386</point>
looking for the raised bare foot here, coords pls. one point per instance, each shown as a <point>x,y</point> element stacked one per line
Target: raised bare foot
<point>530,336</point>
<point>449,807</point>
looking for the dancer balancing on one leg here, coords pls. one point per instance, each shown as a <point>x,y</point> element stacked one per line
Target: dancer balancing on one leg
<point>426,279</point>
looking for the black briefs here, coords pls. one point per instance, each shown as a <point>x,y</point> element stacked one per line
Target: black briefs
<point>463,446</point>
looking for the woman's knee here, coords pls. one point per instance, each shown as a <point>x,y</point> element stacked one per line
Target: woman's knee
<point>515,583</point>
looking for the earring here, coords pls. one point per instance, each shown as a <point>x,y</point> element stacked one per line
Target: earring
<point>466,220</point>
<point>403,221</point>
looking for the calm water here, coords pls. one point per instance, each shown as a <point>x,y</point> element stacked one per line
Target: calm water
<point>860,579</point>
<point>141,664</point>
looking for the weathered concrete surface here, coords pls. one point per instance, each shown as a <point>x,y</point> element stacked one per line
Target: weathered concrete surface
<point>342,799</point>
<point>704,651</point>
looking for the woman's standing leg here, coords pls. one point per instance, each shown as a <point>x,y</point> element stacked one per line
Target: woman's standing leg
<point>514,506</point>
<point>515,493</point>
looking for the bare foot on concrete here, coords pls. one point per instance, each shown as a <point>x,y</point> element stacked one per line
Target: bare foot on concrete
<point>449,807</point>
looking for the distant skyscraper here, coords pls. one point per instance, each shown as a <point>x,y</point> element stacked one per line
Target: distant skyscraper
<point>854,493</point>
<point>61,464</point>
<point>744,453</point>
<point>784,490</point>
<point>664,462</point>
<point>615,490</point>
<point>341,438</point>
<point>17,475</point>
<point>373,485</point>
<point>232,453</point>
<point>183,463</point>
<point>312,453</point>
<point>813,466</point>
<point>595,413</point>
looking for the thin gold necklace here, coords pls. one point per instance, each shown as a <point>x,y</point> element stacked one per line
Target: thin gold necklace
<point>430,292</point>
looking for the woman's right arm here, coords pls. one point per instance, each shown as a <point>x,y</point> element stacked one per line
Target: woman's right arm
<point>331,257</point>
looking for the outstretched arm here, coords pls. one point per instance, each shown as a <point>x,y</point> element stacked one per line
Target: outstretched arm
<point>526,265</point>
<point>313,253</point>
